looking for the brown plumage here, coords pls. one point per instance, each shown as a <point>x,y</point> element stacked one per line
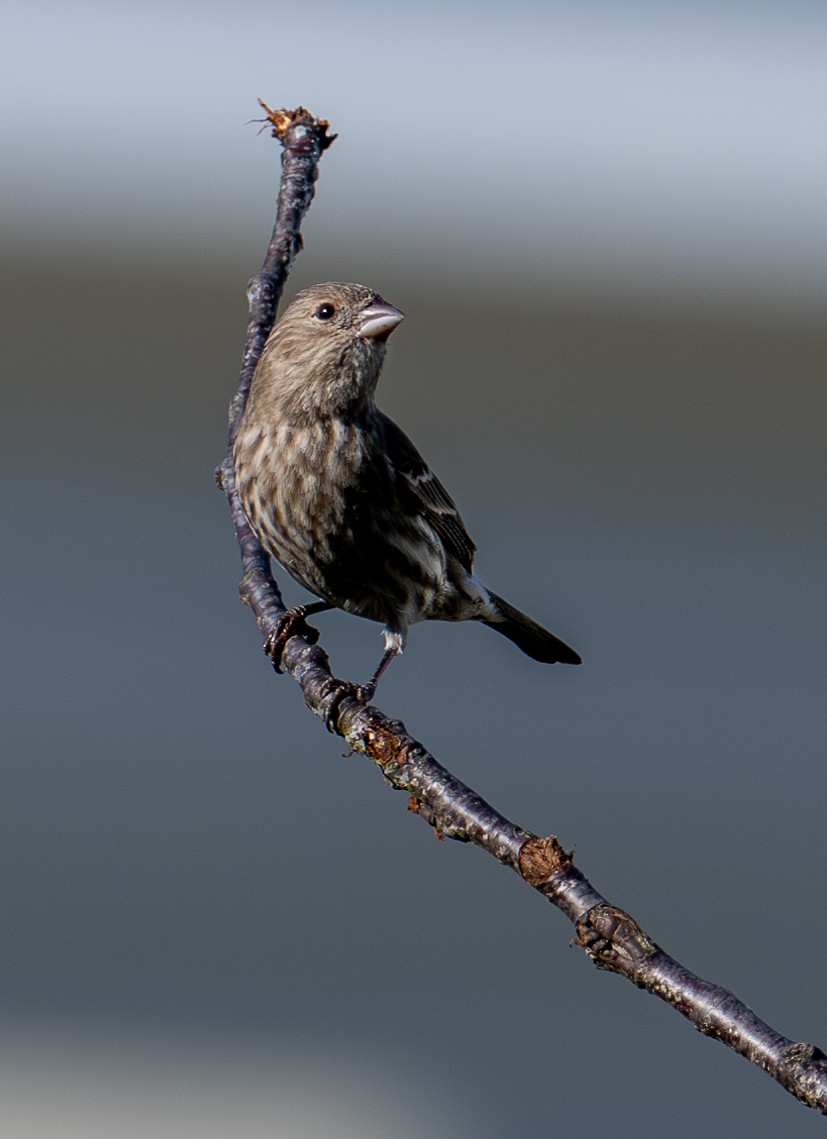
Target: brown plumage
<point>339,495</point>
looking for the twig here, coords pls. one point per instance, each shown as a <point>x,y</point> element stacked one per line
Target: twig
<point>610,937</point>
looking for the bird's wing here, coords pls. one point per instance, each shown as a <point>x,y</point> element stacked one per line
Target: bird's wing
<point>423,493</point>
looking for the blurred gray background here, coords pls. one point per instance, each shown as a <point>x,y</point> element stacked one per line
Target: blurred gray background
<point>606,224</point>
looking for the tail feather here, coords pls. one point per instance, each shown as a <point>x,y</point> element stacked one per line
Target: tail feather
<point>533,639</point>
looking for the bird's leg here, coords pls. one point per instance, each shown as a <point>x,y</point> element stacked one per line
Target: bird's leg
<point>388,656</point>
<point>394,642</point>
<point>293,623</point>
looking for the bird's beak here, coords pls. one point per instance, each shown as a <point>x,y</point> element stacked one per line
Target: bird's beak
<point>379,320</point>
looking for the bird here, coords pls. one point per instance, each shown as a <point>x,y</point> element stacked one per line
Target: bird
<point>338,494</point>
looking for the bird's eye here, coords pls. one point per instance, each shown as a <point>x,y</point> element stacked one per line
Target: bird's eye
<point>325,311</point>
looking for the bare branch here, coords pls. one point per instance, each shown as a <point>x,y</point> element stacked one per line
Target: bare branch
<point>611,938</point>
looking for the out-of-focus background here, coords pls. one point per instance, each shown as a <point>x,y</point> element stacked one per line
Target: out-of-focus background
<point>606,223</point>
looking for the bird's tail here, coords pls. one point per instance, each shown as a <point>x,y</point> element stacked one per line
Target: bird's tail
<point>527,635</point>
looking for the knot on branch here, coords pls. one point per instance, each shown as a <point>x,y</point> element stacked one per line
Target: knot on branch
<point>798,1062</point>
<point>221,472</point>
<point>261,296</point>
<point>802,1053</point>
<point>801,1071</point>
<point>613,939</point>
<point>542,857</point>
<point>282,120</point>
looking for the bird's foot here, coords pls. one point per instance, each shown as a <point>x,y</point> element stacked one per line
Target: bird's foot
<point>362,693</point>
<point>336,692</point>
<point>293,623</point>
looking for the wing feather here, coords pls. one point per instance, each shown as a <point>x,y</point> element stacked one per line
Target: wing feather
<point>422,492</point>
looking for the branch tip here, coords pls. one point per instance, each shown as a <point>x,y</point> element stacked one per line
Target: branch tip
<point>281,120</point>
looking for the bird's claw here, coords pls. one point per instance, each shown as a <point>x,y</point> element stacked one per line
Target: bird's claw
<point>291,624</point>
<point>341,690</point>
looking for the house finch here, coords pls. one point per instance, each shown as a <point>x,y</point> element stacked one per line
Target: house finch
<point>339,495</point>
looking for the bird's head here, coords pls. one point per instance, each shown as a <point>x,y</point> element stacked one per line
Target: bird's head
<point>328,347</point>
